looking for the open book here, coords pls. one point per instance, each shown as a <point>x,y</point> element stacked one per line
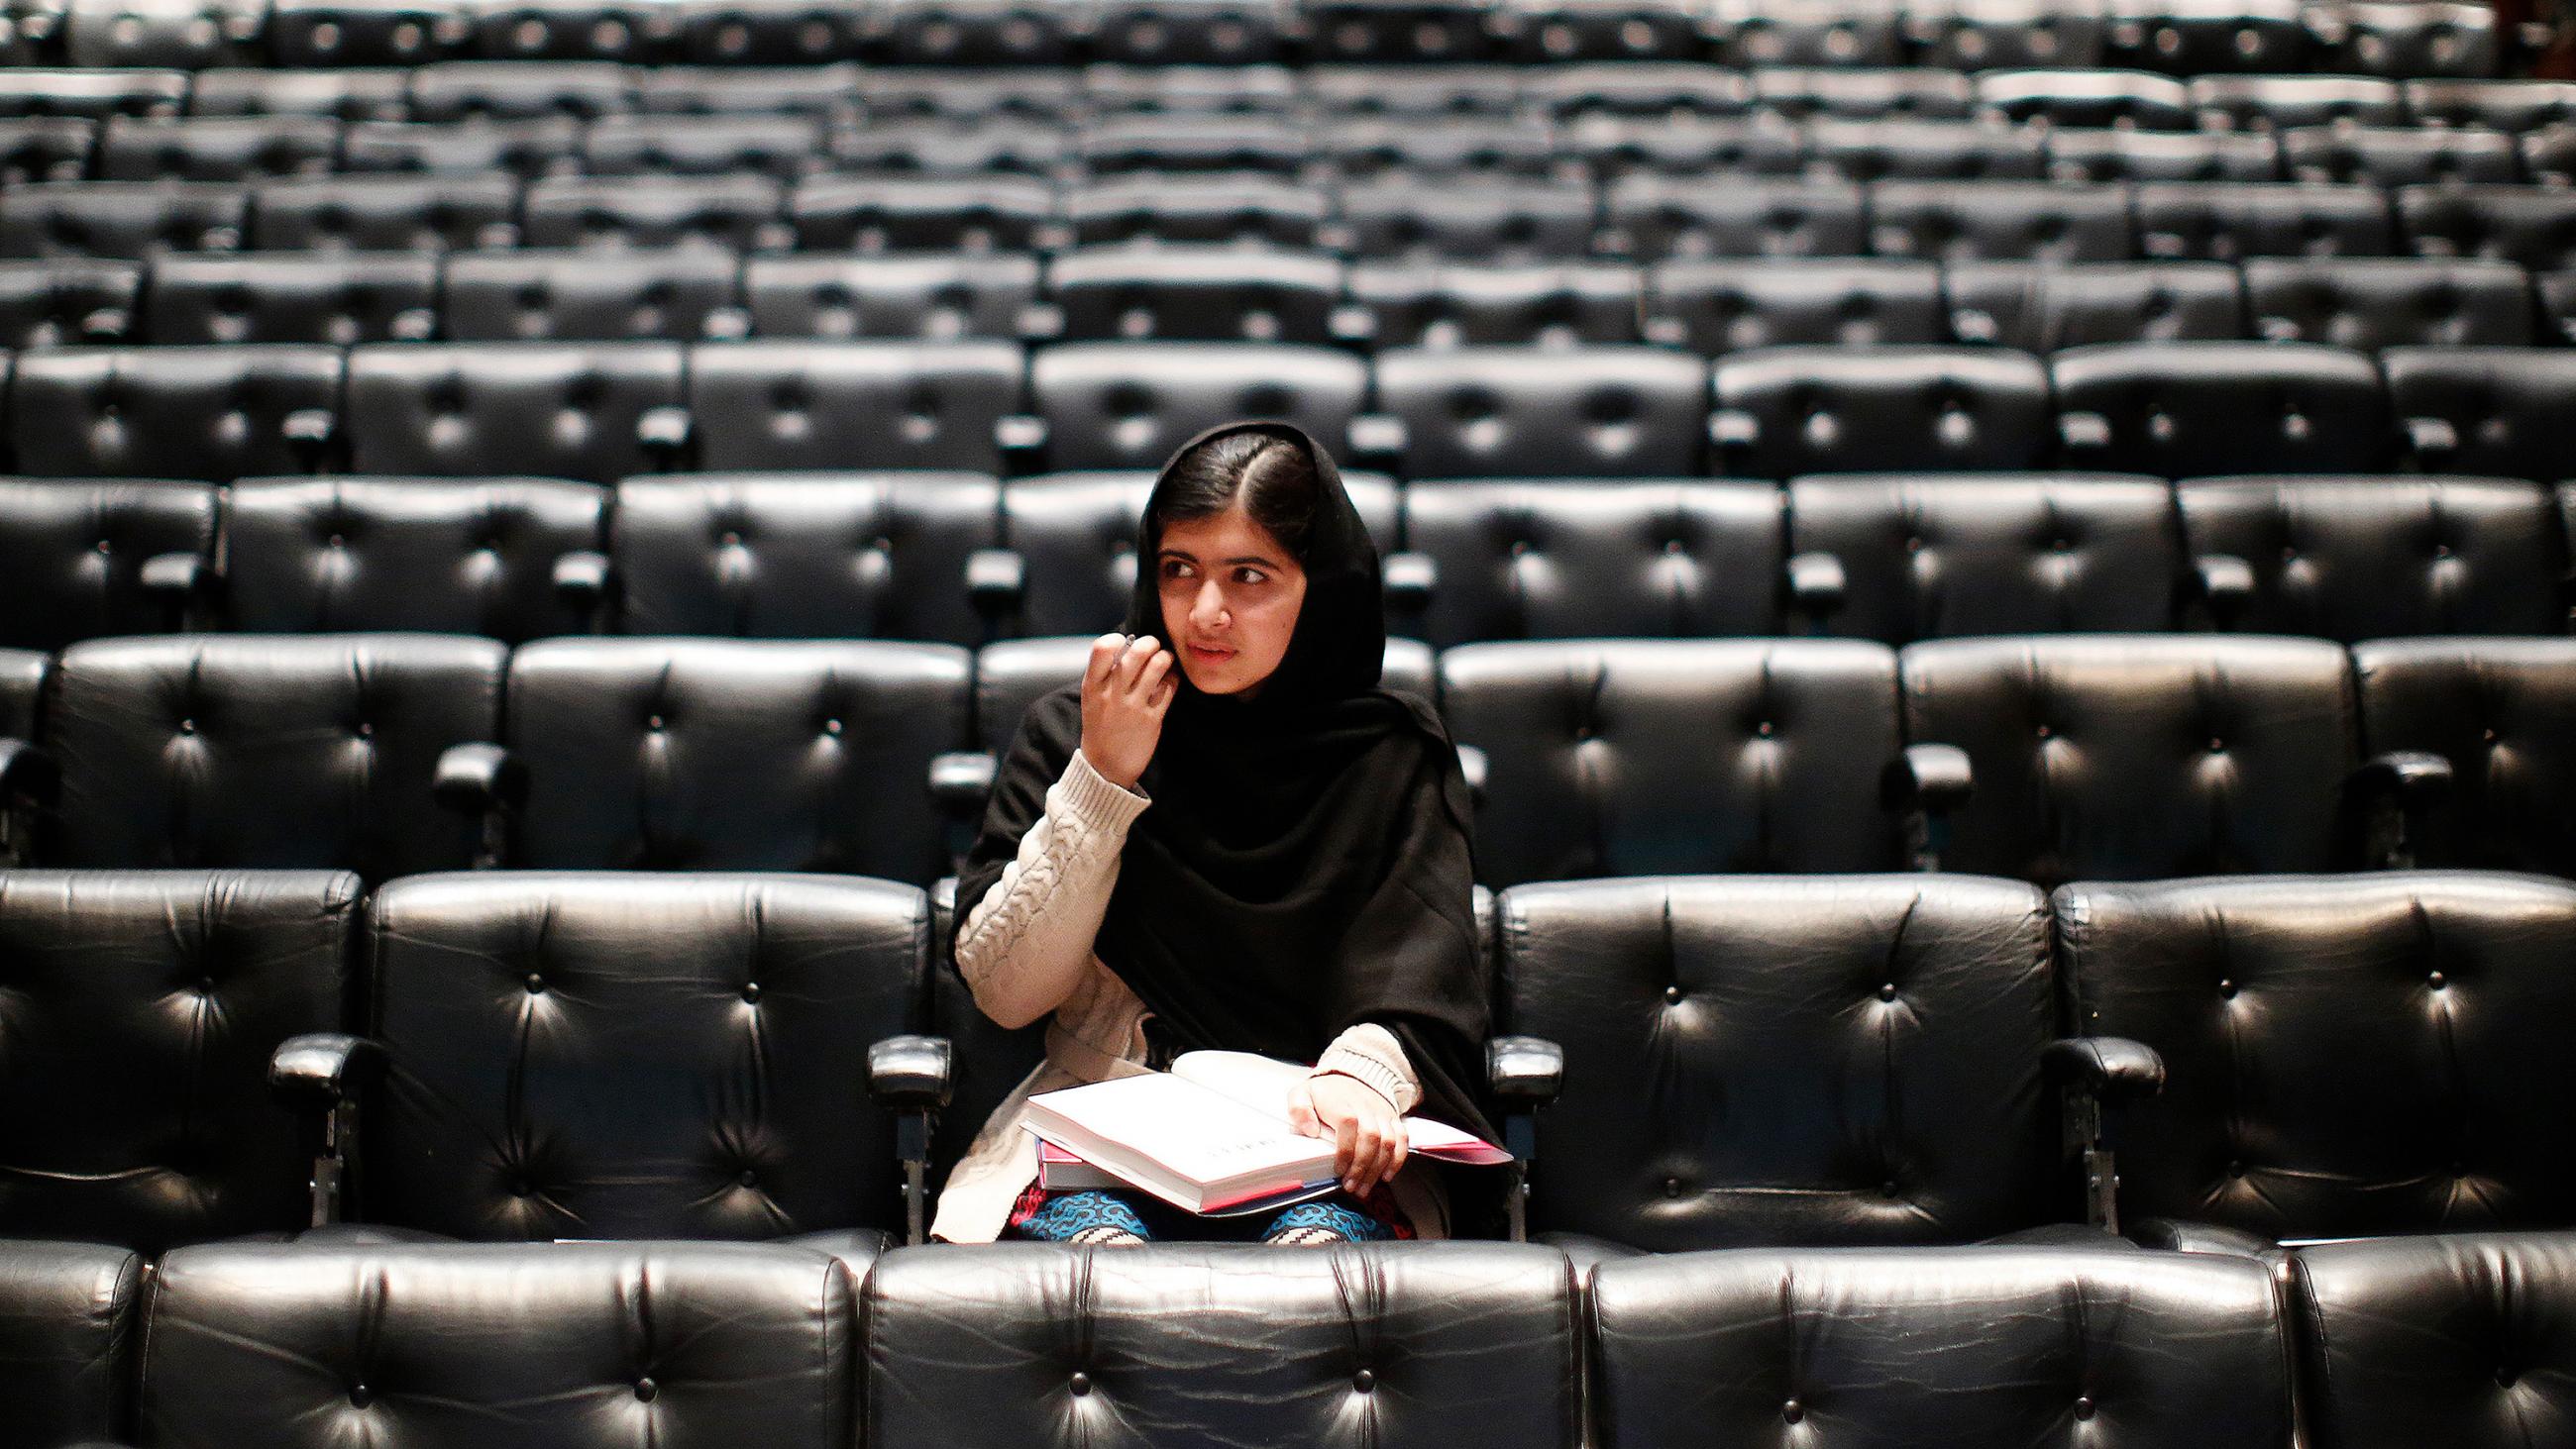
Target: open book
<point>1211,1135</point>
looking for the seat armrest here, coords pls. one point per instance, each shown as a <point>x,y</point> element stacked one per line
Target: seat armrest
<point>1473,763</point>
<point>961,780</point>
<point>663,432</point>
<point>1379,440</point>
<point>910,1073</point>
<point>1734,431</point>
<point>2415,779</point>
<point>1933,778</point>
<point>2431,438</point>
<point>2225,583</point>
<point>582,580</point>
<point>1411,578</point>
<point>322,1066</point>
<point>1527,1072</point>
<point>28,773</point>
<point>308,433</point>
<point>2112,1068</point>
<point>476,778</point>
<point>1817,584</point>
<point>1022,440</point>
<point>175,578</point>
<point>995,580</point>
<point>2084,432</point>
<point>1353,324</point>
<point>1039,322</point>
<point>105,325</point>
<point>2179,1235</point>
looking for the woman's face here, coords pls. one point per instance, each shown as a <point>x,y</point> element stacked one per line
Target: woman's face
<point>1230,599</point>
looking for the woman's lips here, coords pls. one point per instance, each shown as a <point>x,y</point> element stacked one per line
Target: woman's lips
<point>1211,656</point>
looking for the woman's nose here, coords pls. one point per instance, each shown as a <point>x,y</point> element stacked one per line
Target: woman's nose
<point>1207,610</point>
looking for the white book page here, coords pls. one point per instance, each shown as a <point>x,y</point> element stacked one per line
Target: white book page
<point>1263,1083</point>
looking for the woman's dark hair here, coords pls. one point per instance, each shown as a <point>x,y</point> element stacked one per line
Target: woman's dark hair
<point>1269,474</point>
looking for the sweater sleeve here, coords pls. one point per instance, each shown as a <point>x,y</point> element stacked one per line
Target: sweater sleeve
<point>1370,1054</point>
<point>1024,946</point>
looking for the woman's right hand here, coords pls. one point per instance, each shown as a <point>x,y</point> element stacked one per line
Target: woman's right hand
<point>1125,690</point>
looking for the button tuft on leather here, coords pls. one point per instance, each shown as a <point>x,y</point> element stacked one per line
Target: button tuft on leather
<point>2437,981</point>
<point>2236,1169</point>
<point>536,983</point>
<point>1793,1411</point>
<point>1672,1187</point>
<point>361,1396</point>
<point>646,1389</point>
<point>1673,995</point>
<point>1363,1381</point>
<point>1887,1189</point>
<point>2083,1407</point>
<point>1080,1383</point>
<point>751,991</point>
<point>749,1178</point>
<point>1887,992</point>
<point>2227,988</point>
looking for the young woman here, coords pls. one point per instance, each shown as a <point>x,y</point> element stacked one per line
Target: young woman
<point>1228,836</point>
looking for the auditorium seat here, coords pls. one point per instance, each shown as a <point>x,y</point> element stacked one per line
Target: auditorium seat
<point>1396,32</point>
<point>2502,105</point>
<point>2481,410</point>
<point>70,1317</point>
<point>2503,712</point>
<point>1904,556</point>
<point>1977,35</point>
<point>969,93</point>
<point>2347,1055</point>
<point>83,560</point>
<point>932,298</point>
<point>1244,211</point>
<point>797,556</point>
<point>664,754</point>
<point>2231,221</point>
<point>1786,411</point>
<point>333,555</point>
<point>2124,99</point>
<point>1559,32</point>
<point>1618,144</point>
<point>1585,558</point>
<point>870,215</point>
<point>1653,757</point>
<point>142,1008</point>
<point>1969,1345</point>
<point>591,412</point>
<point>2023,221</point>
<point>1660,217</point>
<point>678,294</point>
<point>340,95</point>
<point>2204,37</point>
<point>1594,412</point>
<point>1728,306</point>
<point>2371,304</point>
<point>216,148</point>
<point>2126,757</point>
<point>604,1055</point>
<point>2184,409</point>
<point>1128,405</point>
<point>1140,88</point>
<point>970,33</point>
<point>2042,308</point>
<point>1759,35</point>
<point>1497,223</point>
<point>791,405</point>
<point>523,150</point>
<point>501,90</point>
<point>2110,153</point>
<point>1877,150</point>
<point>506,1345</point>
<point>1186,32</point>
<point>92,93</point>
<point>1441,305</point>
<point>947,150</point>
<point>2291,102</point>
<point>1899,1018</point>
<point>1195,293</point>
<point>128,219</point>
<point>219,412</point>
<point>2534,227</point>
<point>781,147</point>
<point>732,212</point>
<point>1467,151</point>
<point>2393,156</point>
<point>2409,40</point>
<point>1117,145</point>
<point>336,299</point>
<point>726,86</point>
<point>2374,558</point>
<point>211,751</point>
<point>1404,1345</point>
<point>364,32</point>
<point>67,300</point>
<point>386,213</point>
<point>46,148</point>
<point>573,30</point>
<point>23,676</point>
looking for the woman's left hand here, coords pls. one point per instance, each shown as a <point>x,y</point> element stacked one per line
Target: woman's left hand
<point>1368,1133</point>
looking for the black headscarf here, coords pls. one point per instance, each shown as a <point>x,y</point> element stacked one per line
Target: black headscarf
<point>1305,863</point>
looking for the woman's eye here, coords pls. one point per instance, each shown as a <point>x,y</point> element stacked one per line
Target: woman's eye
<point>1250,576</point>
<point>1175,569</point>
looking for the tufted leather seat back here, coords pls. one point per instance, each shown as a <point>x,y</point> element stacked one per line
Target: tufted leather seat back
<point>620,1056</point>
<point>1883,150</point>
<point>932,298</point>
<point>1730,306</point>
<point>1980,1345</point>
<point>67,299</point>
<point>2123,757</point>
<point>868,215</point>
<point>731,213</point>
<point>1596,412</point>
<point>782,147</point>
<point>804,556</point>
<point>2087,98</point>
<point>2104,153</point>
<point>791,405</point>
<point>290,298</point>
<point>1785,411</point>
<point>678,295</point>
<point>2370,558</point>
<point>130,219</point>
<point>142,1007</point>
<point>2394,156</point>
<point>2043,308</point>
<point>1788,1060</point>
<point>216,148</point>
<point>727,754</point>
<point>299,1346</point>
<point>23,673</point>
<point>556,410</point>
<point>1974,221</point>
<point>1934,556</point>
<point>72,555</point>
<point>494,90</point>
<point>2534,227</point>
<point>386,213</point>
<point>1584,558</point>
<point>2192,409</point>
<point>1128,405</point>
<point>2493,410</point>
<point>1197,294</point>
<point>521,150</point>
<point>2281,102</point>
<point>2503,712</point>
<point>327,555</point>
<point>166,412</point>
<point>286,751</point>
<point>69,1320</point>
<point>1506,223</point>
<point>1239,210</point>
<point>1664,217</point>
<point>2345,1054</point>
<point>2370,304</point>
<point>1649,757</point>
<point>1435,305</point>
<point>1403,1344</point>
<point>2232,221</point>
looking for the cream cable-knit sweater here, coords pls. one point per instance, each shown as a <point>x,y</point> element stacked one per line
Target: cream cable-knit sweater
<point>1025,951</point>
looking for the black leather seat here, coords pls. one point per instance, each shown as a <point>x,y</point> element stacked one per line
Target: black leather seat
<point>1437,305</point>
<point>1831,89</point>
<point>2480,410</point>
<point>363,32</point>
<point>173,412</point>
<point>278,751</point>
<point>520,150</point>
<point>129,219</point>
<point>2289,102</point>
<point>113,33</point>
<point>93,93</point>
<point>1876,150</point>
<point>1186,33</point>
<point>2373,558</point>
<point>781,147</point>
<point>572,30</point>
<point>1465,151</point>
<point>271,1343</point>
<point>2127,756</point>
<point>386,213</point>
<point>1187,293</point>
<point>1588,559</point>
<point>291,297</point>
<point>72,1313</point>
<point>1140,88</point>
<point>1687,143</point>
<point>1639,32</point>
<point>2534,227</point>
<point>1505,223</point>
<point>2346,1055</point>
<point>1128,405</point>
<point>430,554</point>
<point>2204,37</point>
<point>596,412</point>
<point>971,33</point>
<point>216,148</point>
<point>870,215</point>
<point>2113,154</point>
<point>1809,34</point>
<point>83,560</point>
<point>732,212</point>
<point>2184,409</point>
<point>1786,411</point>
<point>960,92</point>
<point>1659,217</point>
<point>142,1008</point>
<point>949,150</point>
<point>734,81</point>
<point>1714,307</point>
<point>1929,556</point>
<point>2371,304</point>
<point>932,298</point>
<point>2394,156</point>
<point>837,406</point>
<point>1975,35</point>
<point>678,295</point>
<point>2043,308</point>
<point>809,556</point>
<point>1593,412</point>
<point>1897,1019</point>
<point>1243,211</point>
<point>1398,32</point>
<point>2409,40</point>
<point>46,148</point>
<point>1970,221</point>
<point>2231,221</point>
<point>2503,712</point>
<point>1115,145</point>
<point>340,95</point>
<point>67,300</point>
<point>508,90</point>
<point>1651,757</point>
<point>2097,98</point>
<point>1409,1344</point>
<point>733,754</point>
<point>2500,105</point>
<point>1974,1345</point>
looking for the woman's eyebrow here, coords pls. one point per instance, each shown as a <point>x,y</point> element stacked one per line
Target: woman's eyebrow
<point>1249,558</point>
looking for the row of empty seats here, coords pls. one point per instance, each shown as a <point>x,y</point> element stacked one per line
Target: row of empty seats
<point>965,559</point>
<point>2177,36</point>
<point>2042,757</point>
<point>1735,1062</point>
<point>598,412</point>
